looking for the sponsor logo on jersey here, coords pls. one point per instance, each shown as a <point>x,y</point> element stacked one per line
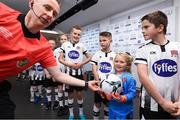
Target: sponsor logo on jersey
<point>111,58</point>
<point>22,63</point>
<point>77,47</point>
<point>165,68</point>
<point>73,54</point>
<point>39,68</point>
<point>105,67</point>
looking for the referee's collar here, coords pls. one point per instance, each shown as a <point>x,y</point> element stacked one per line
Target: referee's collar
<point>27,33</point>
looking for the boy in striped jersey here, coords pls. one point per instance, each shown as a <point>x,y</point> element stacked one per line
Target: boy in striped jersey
<point>72,57</point>
<point>157,65</point>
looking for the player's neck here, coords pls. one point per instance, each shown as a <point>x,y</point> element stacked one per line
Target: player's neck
<point>160,40</point>
<point>106,50</point>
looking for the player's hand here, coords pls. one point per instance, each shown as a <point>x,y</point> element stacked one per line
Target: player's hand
<point>116,96</point>
<point>176,114</point>
<point>109,96</point>
<point>169,106</point>
<point>94,85</point>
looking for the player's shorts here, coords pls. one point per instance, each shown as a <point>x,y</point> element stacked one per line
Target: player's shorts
<point>99,99</point>
<point>72,88</point>
<point>48,82</point>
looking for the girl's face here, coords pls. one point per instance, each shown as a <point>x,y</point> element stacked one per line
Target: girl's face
<point>63,39</point>
<point>119,63</point>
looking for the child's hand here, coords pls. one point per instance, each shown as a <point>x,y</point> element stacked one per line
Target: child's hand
<point>119,98</point>
<point>116,96</point>
<point>109,96</point>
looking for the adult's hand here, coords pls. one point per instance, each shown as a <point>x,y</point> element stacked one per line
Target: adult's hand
<point>94,85</point>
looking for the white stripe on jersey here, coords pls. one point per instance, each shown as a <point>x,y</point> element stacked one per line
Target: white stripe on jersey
<point>74,54</point>
<point>163,68</point>
<point>104,62</point>
<point>57,54</point>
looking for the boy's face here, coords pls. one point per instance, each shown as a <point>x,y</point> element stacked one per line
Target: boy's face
<point>149,30</point>
<point>119,63</point>
<point>52,44</point>
<point>105,42</point>
<point>75,35</point>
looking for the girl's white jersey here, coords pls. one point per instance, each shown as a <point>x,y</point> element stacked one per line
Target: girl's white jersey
<point>104,63</point>
<point>57,54</point>
<point>163,63</point>
<point>73,54</point>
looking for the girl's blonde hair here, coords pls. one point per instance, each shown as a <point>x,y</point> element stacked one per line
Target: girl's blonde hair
<point>128,59</point>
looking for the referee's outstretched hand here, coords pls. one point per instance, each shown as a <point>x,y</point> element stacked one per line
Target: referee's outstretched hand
<point>94,85</point>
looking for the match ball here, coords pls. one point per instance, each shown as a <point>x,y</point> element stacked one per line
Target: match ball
<point>113,84</point>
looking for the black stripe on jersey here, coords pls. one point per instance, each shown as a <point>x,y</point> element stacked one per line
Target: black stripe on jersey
<point>147,100</point>
<point>85,52</point>
<point>62,50</point>
<point>76,71</point>
<point>73,45</point>
<point>141,59</point>
<point>106,54</point>
<point>94,62</point>
<point>70,71</point>
<point>163,48</point>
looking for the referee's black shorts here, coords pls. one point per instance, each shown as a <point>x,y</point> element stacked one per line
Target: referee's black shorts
<point>7,107</point>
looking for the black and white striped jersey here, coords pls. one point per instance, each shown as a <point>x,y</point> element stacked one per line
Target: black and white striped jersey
<point>163,63</point>
<point>74,54</point>
<point>104,62</point>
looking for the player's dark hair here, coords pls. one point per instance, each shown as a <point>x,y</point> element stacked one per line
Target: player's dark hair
<point>106,34</point>
<point>157,18</point>
<point>76,27</point>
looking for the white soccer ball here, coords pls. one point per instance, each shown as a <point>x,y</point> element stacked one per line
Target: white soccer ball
<point>113,84</point>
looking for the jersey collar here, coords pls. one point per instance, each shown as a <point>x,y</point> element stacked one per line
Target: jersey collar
<point>27,33</point>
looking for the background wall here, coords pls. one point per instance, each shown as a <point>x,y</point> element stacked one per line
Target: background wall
<point>126,28</point>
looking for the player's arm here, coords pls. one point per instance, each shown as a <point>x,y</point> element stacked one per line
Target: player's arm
<point>151,89</point>
<point>131,90</point>
<point>177,104</point>
<point>87,59</point>
<point>61,60</point>
<point>94,71</point>
<point>64,78</point>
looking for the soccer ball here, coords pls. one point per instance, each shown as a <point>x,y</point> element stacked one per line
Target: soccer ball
<point>113,84</point>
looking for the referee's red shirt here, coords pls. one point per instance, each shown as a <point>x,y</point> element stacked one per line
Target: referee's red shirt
<point>19,48</point>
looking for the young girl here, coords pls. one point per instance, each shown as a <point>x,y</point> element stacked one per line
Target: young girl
<point>62,107</point>
<point>121,105</point>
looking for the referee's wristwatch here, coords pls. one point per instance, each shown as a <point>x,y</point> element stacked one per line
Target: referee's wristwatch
<point>86,85</point>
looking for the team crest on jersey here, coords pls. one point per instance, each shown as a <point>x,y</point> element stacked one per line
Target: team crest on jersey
<point>111,58</point>
<point>22,63</point>
<point>77,47</point>
<point>105,67</point>
<point>165,68</point>
<point>174,53</point>
<point>73,54</point>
